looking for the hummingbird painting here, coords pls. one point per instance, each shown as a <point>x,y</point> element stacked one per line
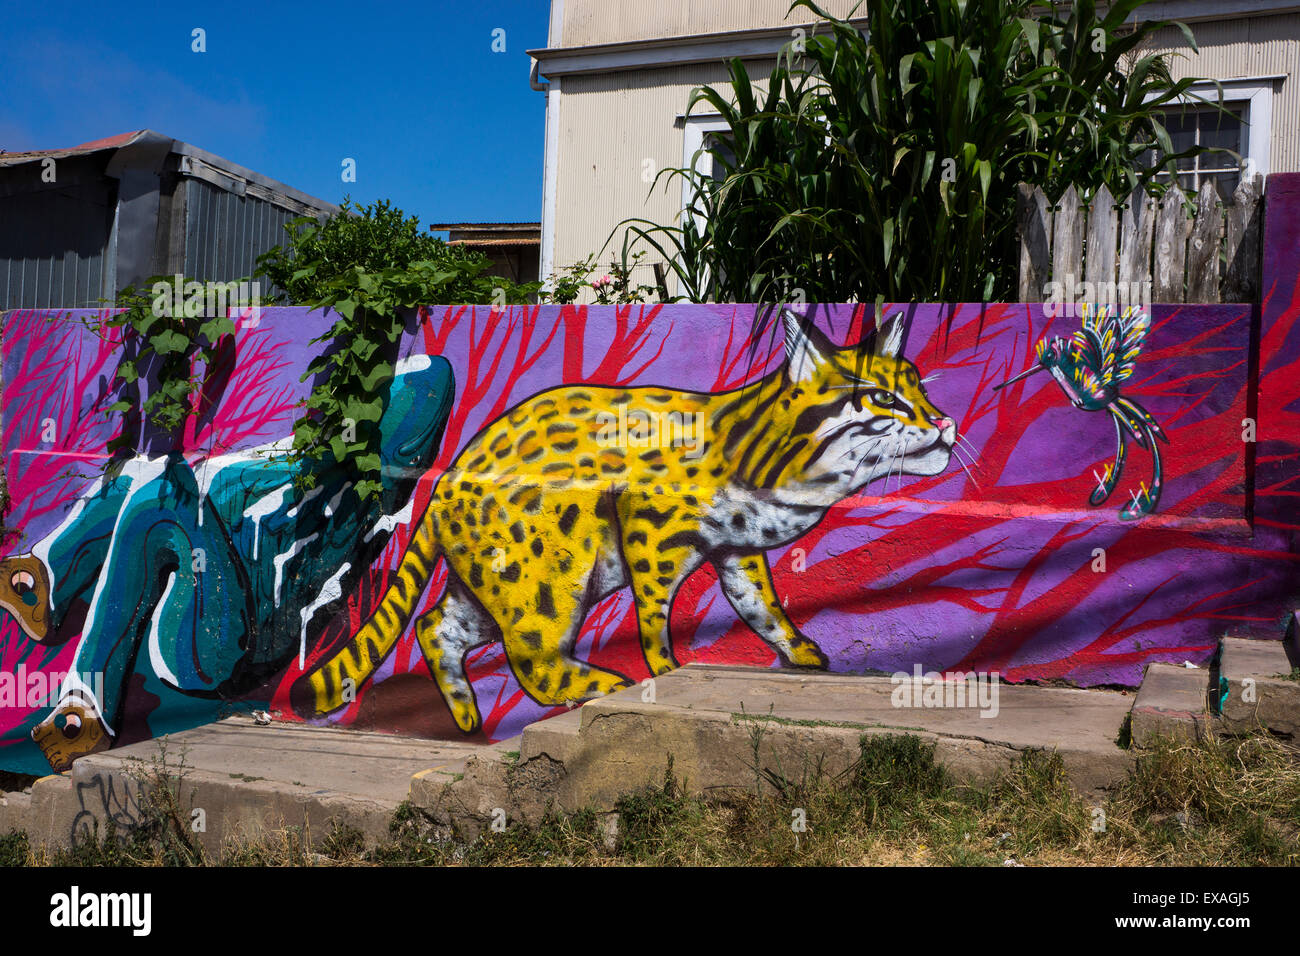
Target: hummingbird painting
<point>1090,367</point>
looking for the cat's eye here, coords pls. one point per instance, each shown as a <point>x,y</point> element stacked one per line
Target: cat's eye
<point>883,399</point>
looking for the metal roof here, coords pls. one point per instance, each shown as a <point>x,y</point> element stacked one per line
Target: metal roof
<point>130,206</point>
<point>535,241</point>
<point>196,162</point>
<point>487,226</point>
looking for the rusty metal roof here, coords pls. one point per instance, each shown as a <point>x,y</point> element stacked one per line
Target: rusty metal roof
<point>495,242</point>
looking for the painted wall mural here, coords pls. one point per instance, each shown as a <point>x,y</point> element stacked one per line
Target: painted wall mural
<point>577,498</point>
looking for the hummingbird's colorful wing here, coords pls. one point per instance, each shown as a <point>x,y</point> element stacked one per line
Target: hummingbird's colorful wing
<point>1134,324</point>
<point>1108,344</point>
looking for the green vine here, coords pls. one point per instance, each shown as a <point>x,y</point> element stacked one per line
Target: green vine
<point>175,347</point>
<point>344,408</point>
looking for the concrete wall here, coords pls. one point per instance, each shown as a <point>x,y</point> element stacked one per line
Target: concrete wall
<point>589,22</point>
<point>607,165</point>
<point>565,539</point>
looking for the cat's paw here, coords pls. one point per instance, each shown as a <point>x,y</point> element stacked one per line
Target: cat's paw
<point>465,713</point>
<point>804,653</point>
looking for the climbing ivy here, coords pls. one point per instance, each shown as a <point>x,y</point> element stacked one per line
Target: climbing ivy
<point>342,412</point>
<point>373,267</point>
<point>359,265</point>
<point>170,348</point>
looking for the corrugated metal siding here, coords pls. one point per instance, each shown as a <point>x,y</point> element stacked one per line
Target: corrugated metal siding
<point>1249,46</point>
<point>52,247</point>
<point>225,233</point>
<point>588,22</point>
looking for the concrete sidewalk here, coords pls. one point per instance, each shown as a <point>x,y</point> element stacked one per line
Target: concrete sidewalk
<point>722,727</point>
<point>248,780</point>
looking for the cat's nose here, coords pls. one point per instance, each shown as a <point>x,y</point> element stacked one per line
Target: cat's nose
<point>942,423</point>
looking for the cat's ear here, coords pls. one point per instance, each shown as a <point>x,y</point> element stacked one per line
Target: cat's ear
<point>805,347</point>
<point>889,337</point>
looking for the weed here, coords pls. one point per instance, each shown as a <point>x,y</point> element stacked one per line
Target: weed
<point>1217,802</point>
<point>14,850</point>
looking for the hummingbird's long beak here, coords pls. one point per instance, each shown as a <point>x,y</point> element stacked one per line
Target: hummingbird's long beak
<point>1022,375</point>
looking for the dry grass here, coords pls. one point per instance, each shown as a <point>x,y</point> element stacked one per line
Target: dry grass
<point>1221,802</point>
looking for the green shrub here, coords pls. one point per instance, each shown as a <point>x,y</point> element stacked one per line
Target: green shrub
<point>372,266</point>
<point>371,237</point>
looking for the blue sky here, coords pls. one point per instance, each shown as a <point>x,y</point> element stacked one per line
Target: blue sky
<point>436,121</point>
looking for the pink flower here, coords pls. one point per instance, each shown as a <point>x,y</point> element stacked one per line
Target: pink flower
<point>601,282</point>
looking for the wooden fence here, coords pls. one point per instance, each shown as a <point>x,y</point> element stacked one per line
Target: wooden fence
<point>1206,252</point>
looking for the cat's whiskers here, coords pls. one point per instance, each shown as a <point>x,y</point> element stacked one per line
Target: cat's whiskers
<point>874,474</point>
<point>971,450</point>
<point>899,456</point>
<point>853,476</point>
<point>955,451</point>
<point>875,465</point>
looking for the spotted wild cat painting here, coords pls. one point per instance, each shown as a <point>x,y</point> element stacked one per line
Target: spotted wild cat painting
<point>561,501</point>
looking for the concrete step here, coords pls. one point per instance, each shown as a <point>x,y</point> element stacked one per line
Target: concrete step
<point>722,728</point>
<point>1255,687</point>
<point>725,727</point>
<point>1172,701</point>
<point>15,810</point>
<point>248,781</point>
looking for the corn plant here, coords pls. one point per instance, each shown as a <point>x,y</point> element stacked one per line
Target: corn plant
<point>882,165</point>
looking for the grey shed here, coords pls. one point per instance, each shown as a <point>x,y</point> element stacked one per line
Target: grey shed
<point>78,224</point>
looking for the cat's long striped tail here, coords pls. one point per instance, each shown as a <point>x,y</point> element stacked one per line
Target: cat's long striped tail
<point>357,660</point>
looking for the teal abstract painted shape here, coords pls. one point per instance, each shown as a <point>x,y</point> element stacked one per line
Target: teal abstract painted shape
<point>211,578</point>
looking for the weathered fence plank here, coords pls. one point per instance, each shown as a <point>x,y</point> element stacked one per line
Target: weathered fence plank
<point>1203,247</point>
<point>1100,250</point>
<point>1241,250</point>
<point>1033,218</point>
<point>1135,239</point>
<point>1170,249</point>
<point>1166,250</point>
<point>1067,238</point>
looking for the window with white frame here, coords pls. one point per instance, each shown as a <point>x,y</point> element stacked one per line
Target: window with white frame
<point>701,132</point>
<point>1240,122</point>
<point>1222,133</point>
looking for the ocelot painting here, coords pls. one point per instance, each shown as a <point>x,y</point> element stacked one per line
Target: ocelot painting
<point>550,508</point>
